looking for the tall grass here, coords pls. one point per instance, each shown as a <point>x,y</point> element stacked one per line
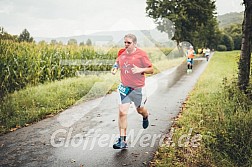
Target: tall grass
<point>220,113</point>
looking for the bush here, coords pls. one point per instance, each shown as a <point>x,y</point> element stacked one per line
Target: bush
<point>228,41</point>
<point>221,48</point>
<point>237,42</point>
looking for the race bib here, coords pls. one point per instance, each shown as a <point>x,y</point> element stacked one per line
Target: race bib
<point>124,90</point>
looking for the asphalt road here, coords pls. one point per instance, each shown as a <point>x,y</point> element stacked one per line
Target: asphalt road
<point>83,135</point>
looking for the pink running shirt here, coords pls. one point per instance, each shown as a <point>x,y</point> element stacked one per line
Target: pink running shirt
<point>125,61</point>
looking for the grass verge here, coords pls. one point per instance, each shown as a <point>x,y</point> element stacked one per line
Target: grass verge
<point>214,126</point>
<point>35,103</point>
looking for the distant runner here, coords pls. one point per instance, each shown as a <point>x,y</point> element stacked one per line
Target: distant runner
<point>133,63</point>
<point>190,55</point>
<point>207,53</point>
<point>204,51</point>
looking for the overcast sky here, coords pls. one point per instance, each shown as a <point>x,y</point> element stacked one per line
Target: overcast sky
<point>57,18</point>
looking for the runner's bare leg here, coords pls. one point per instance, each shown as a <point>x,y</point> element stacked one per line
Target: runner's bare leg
<point>143,111</point>
<point>123,111</point>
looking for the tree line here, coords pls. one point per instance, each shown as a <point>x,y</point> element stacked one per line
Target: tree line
<point>195,21</point>
<point>25,36</point>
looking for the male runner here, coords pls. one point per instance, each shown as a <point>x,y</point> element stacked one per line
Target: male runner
<point>133,64</point>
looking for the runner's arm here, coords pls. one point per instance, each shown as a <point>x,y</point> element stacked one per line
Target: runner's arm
<point>148,70</point>
<point>114,68</point>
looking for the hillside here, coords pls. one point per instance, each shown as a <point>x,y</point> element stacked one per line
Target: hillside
<point>145,37</point>
<point>230,18</point>
<point>115,37</point>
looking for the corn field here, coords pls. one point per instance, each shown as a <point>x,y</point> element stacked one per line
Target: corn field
<point>25,64</point>
<point>28,63</point>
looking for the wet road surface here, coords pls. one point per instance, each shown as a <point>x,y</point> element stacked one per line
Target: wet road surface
<point>83,135</point>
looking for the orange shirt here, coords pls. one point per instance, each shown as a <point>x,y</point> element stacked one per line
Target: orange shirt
<point>190,54</point>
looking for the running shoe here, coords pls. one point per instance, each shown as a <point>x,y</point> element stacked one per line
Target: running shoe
<point>145,122</point>
<point>120,144</point>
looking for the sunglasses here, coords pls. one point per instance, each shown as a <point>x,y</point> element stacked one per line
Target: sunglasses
<point>128,42</point>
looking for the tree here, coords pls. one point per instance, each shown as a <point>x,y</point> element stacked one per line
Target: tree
<point>235,31</point>
<point>237,41</point>
<point>72,42</point>
<point>89,42</point>
<point>53,42</point>
<point>228,42</point>
<point>25,36</point>
<point>6,36</point>
<point>192,19</point>
<point>82,44</point>
<point>245,55</point>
